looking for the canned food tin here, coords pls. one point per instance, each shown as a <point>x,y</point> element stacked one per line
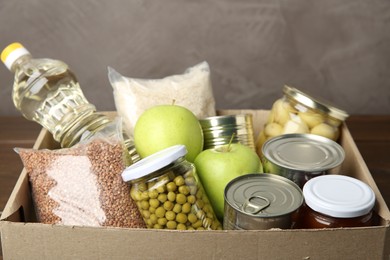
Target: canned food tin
<point>300,157</point>
<point>260,202</point>
<point>218,130</point>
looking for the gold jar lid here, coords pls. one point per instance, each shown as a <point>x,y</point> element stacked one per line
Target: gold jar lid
<point>308,101</point>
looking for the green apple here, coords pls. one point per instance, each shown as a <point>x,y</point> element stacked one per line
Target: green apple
<point>163,126</point>
<point>216,167</point>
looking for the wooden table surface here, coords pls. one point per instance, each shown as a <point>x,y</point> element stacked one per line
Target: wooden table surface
<point>370,132</point>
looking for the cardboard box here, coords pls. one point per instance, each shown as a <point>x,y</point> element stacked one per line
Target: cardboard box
<point>23,238</point>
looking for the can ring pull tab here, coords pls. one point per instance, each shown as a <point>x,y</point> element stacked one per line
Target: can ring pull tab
<point>252,208</point>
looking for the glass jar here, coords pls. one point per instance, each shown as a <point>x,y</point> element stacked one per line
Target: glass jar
<point>333,201</point>
<point>169,193</point>
<point>297,112</point>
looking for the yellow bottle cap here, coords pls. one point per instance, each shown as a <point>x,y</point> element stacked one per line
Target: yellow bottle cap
<point>10,48</point>
<point>12,52</point>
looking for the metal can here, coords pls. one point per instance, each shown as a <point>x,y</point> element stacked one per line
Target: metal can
<point>261,201</point>
<point>300,157</point>
<point>218,130</point>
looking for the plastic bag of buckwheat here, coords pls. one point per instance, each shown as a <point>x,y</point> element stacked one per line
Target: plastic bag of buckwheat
<point>82,185</point>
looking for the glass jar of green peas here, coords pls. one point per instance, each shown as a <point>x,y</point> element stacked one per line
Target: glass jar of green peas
<point>168,192</point>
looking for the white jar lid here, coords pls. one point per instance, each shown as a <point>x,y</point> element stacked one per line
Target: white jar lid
<point>153,162</point>
<point>339,196</point>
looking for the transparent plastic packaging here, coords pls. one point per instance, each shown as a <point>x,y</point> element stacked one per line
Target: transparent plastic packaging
<point>169,193</point>
<point>297,112</point>
<point>47,91</point>
<point>81,185</point>
<point>191,89</point>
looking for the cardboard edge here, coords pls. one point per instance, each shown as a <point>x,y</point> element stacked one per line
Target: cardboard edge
<point>19,199</point>
<point>135,243</point>
<point>351,146</point>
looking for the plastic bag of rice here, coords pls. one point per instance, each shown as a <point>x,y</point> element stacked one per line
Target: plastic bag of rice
<point>192,90</point>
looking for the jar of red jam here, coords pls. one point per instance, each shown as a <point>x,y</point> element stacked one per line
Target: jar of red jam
<point>333,201</point>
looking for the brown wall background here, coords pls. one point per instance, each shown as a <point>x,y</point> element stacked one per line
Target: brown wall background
<point>336,50</point>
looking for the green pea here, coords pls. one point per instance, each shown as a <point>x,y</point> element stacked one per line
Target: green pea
<point>144,204</point>
<point>162,197</point>
<point>142,187</point>
<point>144,195</point>
<point>153,218</point>
<point>186,208</point>
<point>149,223</point>
<point>199,194</point>
<point>152,210</point>
<point>191,199</point>
<point>215,225</point>
<point>171,186</point>
<point>168,205</point>
<point>171,224</point>
<point>181,218</point>
<point>153,194</point>
<point>161,189</point>
<point>146,214</point>
<point>197,224</point>
<point>135,194</point>
<point>200,214</point>
<point>199,203</point>
<point>157,226</point>
<point>162,221</point>
<point>207,208</point>
<point>170,215</point>
<point>190,180</point>
<point>188,174</point>
<point>171,196</point>
<point>184,190</point>
<point>154,203</point>
<point>192,218</point>
<point>181,198</point>
<point>177,208</point>
<point>193,189</point>
<point>179,180</point>
<point>209,215</point>
<point>160,212</point>
<point>181,226</point>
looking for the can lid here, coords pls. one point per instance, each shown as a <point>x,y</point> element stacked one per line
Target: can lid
<point>339,196</point>
<point>313,103</point>
<point>303,152</point>
<point>153,162</point>
<point>13,52</point>
<point>263,195</point>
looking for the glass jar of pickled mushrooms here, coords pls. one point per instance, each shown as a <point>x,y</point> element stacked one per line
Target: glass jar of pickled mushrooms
<point>297,112</point>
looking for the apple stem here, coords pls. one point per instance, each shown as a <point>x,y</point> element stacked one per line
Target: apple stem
<point>173,102</point>
<point>230,142</point>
